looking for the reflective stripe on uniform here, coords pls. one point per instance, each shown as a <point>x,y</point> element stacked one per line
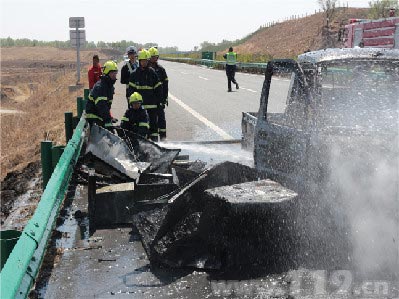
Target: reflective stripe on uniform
<point>91,115</point>
<point>166,79</point>
<point>129,67</point>
<point>158,84</point>
<point>108,125</point>
<point>162,130</point>
<point>144,125</point>
<point>100,99</point>
<point>150,106</point>
<point>154,134</point>
<point>124,118</point>
<point>140,87</point>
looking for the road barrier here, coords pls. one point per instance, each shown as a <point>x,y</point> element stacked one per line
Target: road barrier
<point>23,264</point>
<point>241,66</point>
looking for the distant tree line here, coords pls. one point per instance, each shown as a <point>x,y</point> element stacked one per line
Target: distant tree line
<point>119,45</point>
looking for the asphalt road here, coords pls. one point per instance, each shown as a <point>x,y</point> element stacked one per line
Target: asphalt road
<point>200,108</point>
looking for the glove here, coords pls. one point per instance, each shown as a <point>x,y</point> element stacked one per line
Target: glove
<point>114,120</point>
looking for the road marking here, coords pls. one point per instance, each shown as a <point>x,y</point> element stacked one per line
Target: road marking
<point>248,89</point>
<point>201,118</point>
<point>203,78</point>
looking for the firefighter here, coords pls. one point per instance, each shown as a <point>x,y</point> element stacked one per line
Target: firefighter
<point>145,81</point>
<point>128,68</point>
<point>231,61</point>
<point>94,72</point>
<point>98,107</point>
<point>163,78</point>
<point>136,117</point>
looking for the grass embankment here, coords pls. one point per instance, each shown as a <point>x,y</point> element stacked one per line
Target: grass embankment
<point>41,116</point>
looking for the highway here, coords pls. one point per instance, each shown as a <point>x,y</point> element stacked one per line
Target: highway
<point>200,108</point>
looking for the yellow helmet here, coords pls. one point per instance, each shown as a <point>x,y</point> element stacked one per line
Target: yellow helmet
<point>153,51</point>
<point>109,66</point>
<point>142,55</point>
<point>135,97</point>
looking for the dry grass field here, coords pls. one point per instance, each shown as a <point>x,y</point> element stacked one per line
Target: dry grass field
<point>34,82</point>
<point>290,38</point>
<point>34,98</point>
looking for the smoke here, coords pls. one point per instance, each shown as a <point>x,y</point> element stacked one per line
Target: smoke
<point>365,176</point>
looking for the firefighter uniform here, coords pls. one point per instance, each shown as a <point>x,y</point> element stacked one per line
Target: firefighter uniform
<point>98,107</point>
<point>128,69</point>
<point>163,78</point>
<point>145,81</point>
<point>136,117</point>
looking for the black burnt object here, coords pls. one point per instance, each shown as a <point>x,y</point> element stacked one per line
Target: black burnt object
<point>148,151</point>
<point>224,219</point>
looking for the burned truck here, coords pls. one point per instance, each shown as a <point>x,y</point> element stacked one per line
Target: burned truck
<point>323,193</point>
<point>327,127</point>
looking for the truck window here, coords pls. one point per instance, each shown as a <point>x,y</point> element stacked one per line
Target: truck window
<point>286,100</point>
<point>359,94</point>
<point>282,87</point>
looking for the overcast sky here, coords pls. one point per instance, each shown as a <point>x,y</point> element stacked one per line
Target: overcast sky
<point>181,23</point>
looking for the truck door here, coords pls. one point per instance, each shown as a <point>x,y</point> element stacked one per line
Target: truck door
<point>280,134</point>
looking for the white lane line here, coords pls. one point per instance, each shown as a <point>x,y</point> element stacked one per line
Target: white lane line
<point>203,78</point>
<point>248,89</point>
<point>201,118</point>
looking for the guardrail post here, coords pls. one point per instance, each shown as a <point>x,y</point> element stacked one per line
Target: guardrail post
<point>68,126</point>
<point>47,165</point>
<point>56,152</point>
<point>75,121</point>
<point>79,105</point>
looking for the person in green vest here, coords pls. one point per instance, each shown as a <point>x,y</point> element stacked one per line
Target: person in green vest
<point>231,61</point>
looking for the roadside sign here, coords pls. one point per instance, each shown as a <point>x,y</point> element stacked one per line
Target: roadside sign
<point>77,37</point>
<point>76,22</point>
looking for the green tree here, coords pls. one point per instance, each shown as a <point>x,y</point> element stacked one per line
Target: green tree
<point>380,8</point>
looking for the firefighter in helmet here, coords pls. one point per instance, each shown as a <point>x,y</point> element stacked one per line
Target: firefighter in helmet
<point>136,117</point>
<point>163,77</point>
<point>129,67</point>
<point>98,107</point>
<point>145,81</point>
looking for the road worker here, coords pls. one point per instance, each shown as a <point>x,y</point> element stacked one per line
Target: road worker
<point>163,78</point>
<point>94,72</point>
<point>145,81</point>
<point>136,117</point>
<point>128,68</point>
<point>231,61</point>
<point>98,107</point>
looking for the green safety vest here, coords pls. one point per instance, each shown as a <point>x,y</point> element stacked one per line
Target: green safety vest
<point>231,58</point>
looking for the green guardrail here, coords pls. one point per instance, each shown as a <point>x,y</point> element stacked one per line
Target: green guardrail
<point>243,66</point>
<point>23,264</point>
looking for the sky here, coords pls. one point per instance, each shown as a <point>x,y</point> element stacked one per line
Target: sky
<point>181,23</point>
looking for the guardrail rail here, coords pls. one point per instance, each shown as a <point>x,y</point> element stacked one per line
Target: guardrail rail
<point>23,264</point>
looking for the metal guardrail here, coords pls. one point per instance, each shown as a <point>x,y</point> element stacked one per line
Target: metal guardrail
<point>23,264</point>
<point>258,67</point>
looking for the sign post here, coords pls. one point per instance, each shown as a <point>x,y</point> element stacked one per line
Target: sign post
<point>78,39</point>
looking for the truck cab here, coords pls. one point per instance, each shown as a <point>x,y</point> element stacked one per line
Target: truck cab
<point>334,99</point>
